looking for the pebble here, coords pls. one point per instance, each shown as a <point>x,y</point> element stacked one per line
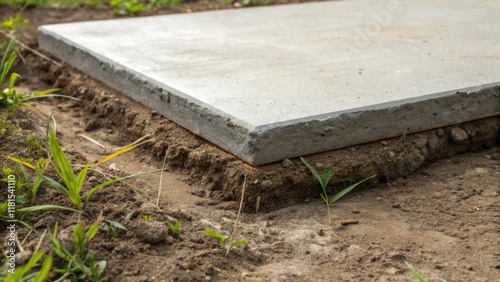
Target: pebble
<point>23,257</point>
<point>420,142</point>
<point>440,132</point>
<point>398,256</point>
<point>45,222</point>
<point>113,167</point>
<point>287,163</point>
<point>396,205</point>
<point>151,232</point>
<point>458,135</point>
<point>355,211</point>
<point>469,267</point>
<point>384,143</point>
<point>266,183</point>
<point>307,200</point>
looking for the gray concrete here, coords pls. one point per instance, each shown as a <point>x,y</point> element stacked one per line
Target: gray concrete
<point>283,81</point>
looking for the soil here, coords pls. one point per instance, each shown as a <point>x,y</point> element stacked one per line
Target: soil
<point>434,203</point>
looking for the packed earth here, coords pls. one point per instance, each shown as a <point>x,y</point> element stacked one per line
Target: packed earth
<point>434,202</point>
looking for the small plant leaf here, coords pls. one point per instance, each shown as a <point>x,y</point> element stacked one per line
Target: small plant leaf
<point>45,270</point>
<point>347,190</point>
<point>216,236</point>
<point>238,243</point>
<point>45,208</point>
<point>22,271</point>
<point>116,224</point>
<point>414,272</point>
<point>21,162</point>
<point>313,170</point>
<point>65,170</point>
<point>115,154</point>
<point>7,66</point>
<point>56,185</point>
<point>326,178</point>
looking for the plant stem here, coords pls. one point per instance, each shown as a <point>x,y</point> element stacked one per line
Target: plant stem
<point>329,213</point>
<point>238,216</point>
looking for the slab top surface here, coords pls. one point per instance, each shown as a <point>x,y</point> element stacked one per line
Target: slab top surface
<point>268,67</point>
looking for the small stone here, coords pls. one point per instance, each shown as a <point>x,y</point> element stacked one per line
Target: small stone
<point>488,157</point>
<point>45,222</point>
<point>384,143</point>
<point>266,183</point>
<point>398,256</point>
<point>150,232</point>
<point>396,205</point>
<point>23,257</point>
<point>391,154</point>
<point>237,5</point>
<point>109,131</point>
<point>458,135</point>
<point>469,267</point>
<point>307,200</point>
<point>355,211</point>
<point>187,266</point>
<point>497,266</point>
<point>439,265</point>
<point>464,196</point>
<point>287,163</point>
<point>113,167</point>
<point>92,179</point>
<point>420,142</point>
<point>154,113</point>
<point>185,215</point>
<point>319,165</point>
<point>208,278</point>
<point>440,132</point>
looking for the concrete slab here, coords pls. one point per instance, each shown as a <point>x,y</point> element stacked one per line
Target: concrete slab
<point>277,82</point>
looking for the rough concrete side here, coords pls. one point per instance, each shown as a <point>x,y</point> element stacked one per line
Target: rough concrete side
<point>367,126</point>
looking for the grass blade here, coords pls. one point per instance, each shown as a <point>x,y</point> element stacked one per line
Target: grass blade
<point>45,208</point>
<point>21,162</point>
<point>7,66</point>
<point>22,271</point>
<point>348,189</point>
<point>312,169</point>
<point>45,270</point>
<point>116,154</point>
<point>414,272</point>
<point>65,170</point>
<point>215,235</point>
<point>57,186</point>
<point>238,243</point>
<point>326,178</point>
